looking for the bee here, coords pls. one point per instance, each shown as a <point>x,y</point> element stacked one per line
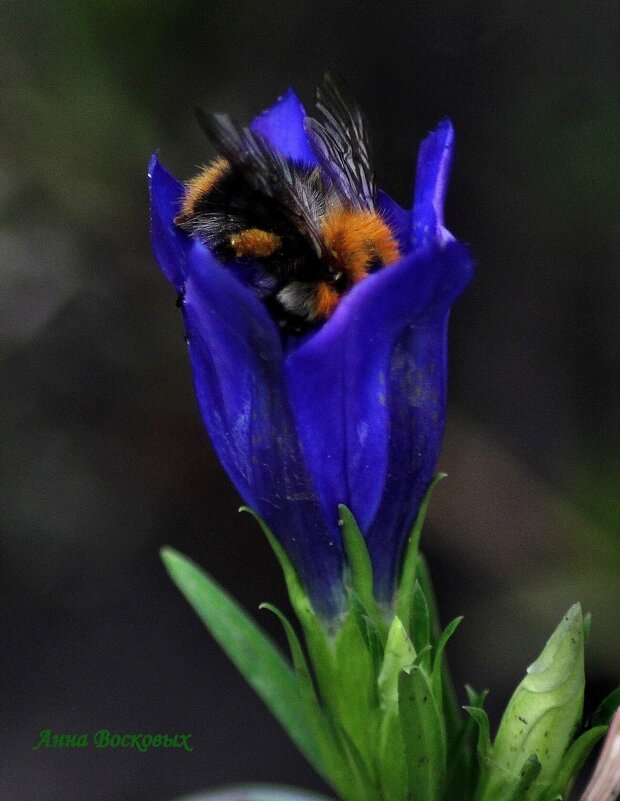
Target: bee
<point>306,234</point>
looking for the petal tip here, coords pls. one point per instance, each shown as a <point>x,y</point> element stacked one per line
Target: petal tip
<point>153,164</point>
<point>282,124</point>
<point>444,129</point>
<point>431,183</point>
<point>169,244</point>
<point>288,99</point>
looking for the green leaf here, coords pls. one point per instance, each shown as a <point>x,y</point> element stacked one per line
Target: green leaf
<point>573,762</point>
<point>392,766</point>
<point>253,653</point>
<point>443,640</point>
<point>360,568</point>
<point>481,719</point>
<point>420,630</point>
<point>334,771</point>
<point>605,710</point>
<point>351,692</point>
<point>368,630</point>
<point>423,658</point>
<point>463,768</point>
<point>545,709</point>
<point>410,562</point>
<point>475,698</point>
<point>296,590</point>
<point>316,639</point>
<point>363,785</point>
<point>423,736</point>
<point>480,768</point>
<point>399,655</point>
<point>297,654</point>
<point>451,707</point>
<point>438,672</point>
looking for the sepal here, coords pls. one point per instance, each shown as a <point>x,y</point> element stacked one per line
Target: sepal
<point>411,559</point>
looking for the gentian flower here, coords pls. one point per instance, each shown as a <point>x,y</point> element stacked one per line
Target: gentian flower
<point>350,413</point>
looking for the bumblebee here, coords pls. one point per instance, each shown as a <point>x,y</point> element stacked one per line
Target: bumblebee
<point>306,234</point>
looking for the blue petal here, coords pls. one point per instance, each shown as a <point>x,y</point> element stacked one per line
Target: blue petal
<point>283,126</point>
<point>431,183</point>
<point>170,245</point>
<point>368,395</point>
<point>237,364</point>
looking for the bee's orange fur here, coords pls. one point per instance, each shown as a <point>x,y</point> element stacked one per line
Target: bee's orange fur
<point>326,299</point>
<point>356,239</point>
<point>202,184</point>
<point>255,243</point>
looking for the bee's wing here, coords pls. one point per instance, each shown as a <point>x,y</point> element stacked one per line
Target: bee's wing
<point>342,145</point>
<point>297,193</point>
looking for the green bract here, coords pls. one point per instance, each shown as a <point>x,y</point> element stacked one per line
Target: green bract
<point>369,701</point>
<point>530,758</point>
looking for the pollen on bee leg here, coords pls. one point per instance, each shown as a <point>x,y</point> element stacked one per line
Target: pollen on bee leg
<point>255,243</point>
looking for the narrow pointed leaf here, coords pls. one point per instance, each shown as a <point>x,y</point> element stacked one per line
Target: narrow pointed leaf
<point>484,730</point>
<point>368,630</point>
<point>253,653</point>
<point>365,781</point>
<point>451,706</point>
<point>314,633</point>
<point>392,765</point>
<point>423,657</point>
<point>480,774</point>
<point>475,698</point>
<point>332,768</point>
<point>296,591</point>
<point>437,675</point>
<point>420,623</point>
<point>463,770</point>
<point>423,736</point>
<point>410,563</point>
<point>360,567</point>
<point>351,691</point>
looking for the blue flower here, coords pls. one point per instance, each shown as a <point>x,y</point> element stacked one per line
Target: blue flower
<point>352,413</point>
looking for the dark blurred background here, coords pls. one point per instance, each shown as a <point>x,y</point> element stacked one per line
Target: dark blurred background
<point>103,455</point>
